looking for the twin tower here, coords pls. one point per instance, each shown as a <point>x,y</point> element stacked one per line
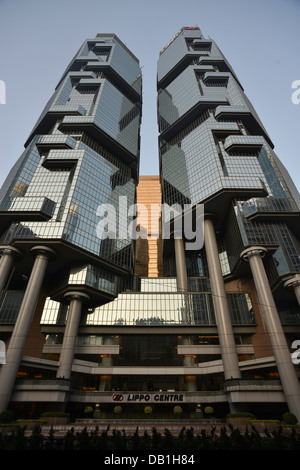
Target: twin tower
<point>79,306</point>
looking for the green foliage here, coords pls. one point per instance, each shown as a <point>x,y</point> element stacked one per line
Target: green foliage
<point>226,438</point>
<point>83,441</point>
<point>208,410</point>
<point>156,439</point>
<point>119,440</point>
<point>289,418</point>
<point>6,416</point>
<point>177,410</point>
<point>169,441</point>
<point>148,410</point>
<point>50,442</point>
<point>117,409</point>
<point>36,439</point>
<point>69,440</point>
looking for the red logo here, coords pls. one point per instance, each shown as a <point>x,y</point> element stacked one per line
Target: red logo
<point>118,397</point>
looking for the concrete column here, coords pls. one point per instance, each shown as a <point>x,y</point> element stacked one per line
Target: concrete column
<point>225,331</point>
<point>18,339</point>
<point>70,335</point>
<point>106,361</point>
<point>286,369</point>
<point>294,283</point>
<point>182,280</point>
<point>191,383</point>
<point>189,361</point>
<point>8,258</point>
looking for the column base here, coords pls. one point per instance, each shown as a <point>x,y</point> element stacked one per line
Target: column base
<point>11,249</point>
<point>43,250</point>
<point>293,282</point>
<point>253,250</point>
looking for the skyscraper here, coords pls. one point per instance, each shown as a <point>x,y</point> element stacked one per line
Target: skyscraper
<point>215,151</point>
<point>117,323</point>
<point>82,156</point>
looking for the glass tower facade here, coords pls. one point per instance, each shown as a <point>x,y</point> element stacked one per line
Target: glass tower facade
<point>104,319</point>
<point>224,157</point>
<point>81,158</point>
<point>82,153</point>
<point>215,151</point>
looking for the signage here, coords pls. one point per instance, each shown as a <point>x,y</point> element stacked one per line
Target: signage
<point>118,397</point>
<point>159,398</point>
<point>148,397</point>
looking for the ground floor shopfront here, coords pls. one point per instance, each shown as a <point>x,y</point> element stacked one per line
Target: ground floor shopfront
<point>149,405</point>
<point>263,398</point>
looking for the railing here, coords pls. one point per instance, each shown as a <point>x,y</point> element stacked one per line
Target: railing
<point>267,205</point>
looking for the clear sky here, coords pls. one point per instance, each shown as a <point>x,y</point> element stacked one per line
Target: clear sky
<point>260,38</point>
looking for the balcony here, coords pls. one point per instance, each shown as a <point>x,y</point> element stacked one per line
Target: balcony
<point>52,141</point>
<point>62,158</point>
<point>240,143</point>
<point>27,208</point>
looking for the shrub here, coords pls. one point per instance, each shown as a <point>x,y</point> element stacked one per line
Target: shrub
<point>6,416</point>
<point>289,418</point>
<point>119,441</point>
<point>276,421</point>
<point>177,410</point>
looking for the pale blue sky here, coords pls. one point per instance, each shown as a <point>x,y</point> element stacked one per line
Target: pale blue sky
<point>260,38</point>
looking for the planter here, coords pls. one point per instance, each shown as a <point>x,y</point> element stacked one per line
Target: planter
<point>240,422</point>
<point>7,429</point>
<point>287,430</point>
<point>31,423</point>
<point>261,426</point>
<point>57,420</point>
